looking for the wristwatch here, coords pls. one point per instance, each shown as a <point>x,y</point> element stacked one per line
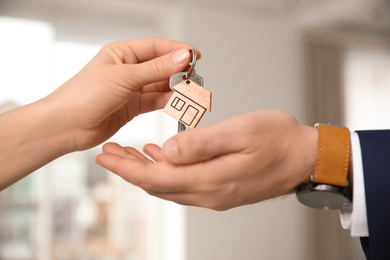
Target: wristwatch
<point>328,187</point>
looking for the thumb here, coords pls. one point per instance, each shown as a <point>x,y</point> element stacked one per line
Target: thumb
<point>196,145</point>
<point>160,68</point>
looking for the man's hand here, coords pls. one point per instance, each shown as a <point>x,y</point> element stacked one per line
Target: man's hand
<point>244,160</point>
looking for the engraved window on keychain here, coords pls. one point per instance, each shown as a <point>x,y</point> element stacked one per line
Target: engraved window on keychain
<point>189,100</point>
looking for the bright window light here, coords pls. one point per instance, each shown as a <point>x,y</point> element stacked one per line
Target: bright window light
<point>367,87</point>
<point>25,47</point>
<point>71,208</point>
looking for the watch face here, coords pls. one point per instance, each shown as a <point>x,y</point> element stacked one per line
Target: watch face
<point>328,200</point>
<point>324,196</point>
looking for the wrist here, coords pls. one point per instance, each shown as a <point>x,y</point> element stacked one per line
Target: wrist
<point>63,111</point>
<point>310,146</point>
<point>32,136</point>
<point>51,125</point>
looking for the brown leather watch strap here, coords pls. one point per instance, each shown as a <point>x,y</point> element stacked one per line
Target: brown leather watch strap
<point>333,152</point>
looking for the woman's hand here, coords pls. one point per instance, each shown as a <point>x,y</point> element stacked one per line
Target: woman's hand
<point>125,79</point>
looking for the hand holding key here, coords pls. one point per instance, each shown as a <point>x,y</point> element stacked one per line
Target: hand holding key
<point>243,160</point>
<point>125,79</point>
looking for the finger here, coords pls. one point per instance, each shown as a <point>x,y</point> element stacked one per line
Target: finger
<point>199,144</point>
<point>162,86</point>
<point>114,148</point>
<point>136,153</point>
<point>154,101</point>
<point>148,102</point>
<point>150,48</point>
<point>117,163</point>
<point>155,70</point>
<point>153,151</point>
<point>186,184</point>
<point>153,178</point>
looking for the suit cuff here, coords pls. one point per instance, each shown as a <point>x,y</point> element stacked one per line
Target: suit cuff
<point>355,217</point>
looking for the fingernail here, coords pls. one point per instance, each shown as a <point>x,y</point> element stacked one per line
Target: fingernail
<point>180,56</point>
<point>170,150</point>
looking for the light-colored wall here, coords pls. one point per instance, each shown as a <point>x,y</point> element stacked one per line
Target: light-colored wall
<point>249,61</point>
<point>253,61</point>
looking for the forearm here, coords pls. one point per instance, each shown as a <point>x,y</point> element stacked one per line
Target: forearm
<point>31,136</point>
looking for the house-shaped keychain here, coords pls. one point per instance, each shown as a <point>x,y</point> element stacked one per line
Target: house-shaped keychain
<point>188,103</point>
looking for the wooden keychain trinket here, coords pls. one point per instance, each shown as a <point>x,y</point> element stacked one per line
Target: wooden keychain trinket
<point>189,100</point>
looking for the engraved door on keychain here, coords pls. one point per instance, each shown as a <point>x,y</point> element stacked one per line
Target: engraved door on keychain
<point>189,100</point>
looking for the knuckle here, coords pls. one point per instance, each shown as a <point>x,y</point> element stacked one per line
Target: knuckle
<point>111,49</point>
<point>108,47</point>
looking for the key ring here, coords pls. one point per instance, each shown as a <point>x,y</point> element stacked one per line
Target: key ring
<point>192,63</point>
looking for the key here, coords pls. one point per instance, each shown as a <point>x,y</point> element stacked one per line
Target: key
<point>189,100</point>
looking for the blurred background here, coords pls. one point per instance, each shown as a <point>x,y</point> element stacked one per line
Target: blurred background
<point>320,60</point>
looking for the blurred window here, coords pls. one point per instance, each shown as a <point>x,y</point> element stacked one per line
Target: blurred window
<point>367,87</point>
<point>71,208</point>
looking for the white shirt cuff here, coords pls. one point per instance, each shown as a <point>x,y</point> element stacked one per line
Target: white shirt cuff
<point>355,217</point>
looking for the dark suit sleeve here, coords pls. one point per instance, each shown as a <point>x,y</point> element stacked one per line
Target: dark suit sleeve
<point>375,148</point>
